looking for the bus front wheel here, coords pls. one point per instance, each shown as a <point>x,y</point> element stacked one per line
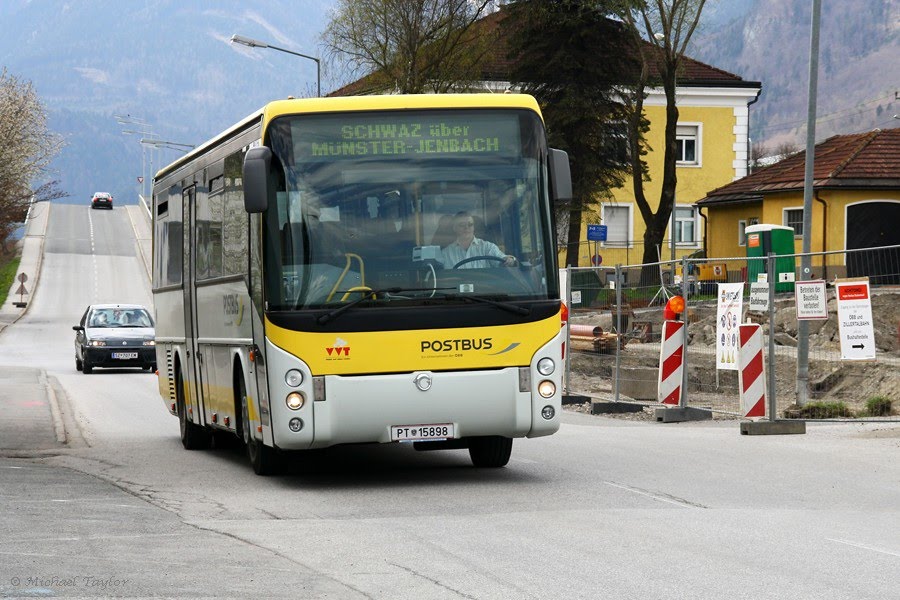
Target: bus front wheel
<point>491,451</point>
<point>263,459</point>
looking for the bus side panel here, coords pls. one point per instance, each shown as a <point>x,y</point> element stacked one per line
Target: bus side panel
<point>222,324</point>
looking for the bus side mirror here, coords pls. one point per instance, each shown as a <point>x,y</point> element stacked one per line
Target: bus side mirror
<point>257,164</point>
<point>560,175</point>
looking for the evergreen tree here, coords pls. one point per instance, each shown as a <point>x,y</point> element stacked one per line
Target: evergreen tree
<point>573,59</point>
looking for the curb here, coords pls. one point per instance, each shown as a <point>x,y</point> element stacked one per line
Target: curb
<point>24,257</point>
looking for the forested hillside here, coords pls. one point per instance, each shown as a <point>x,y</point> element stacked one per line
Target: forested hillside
<point>859,64</point>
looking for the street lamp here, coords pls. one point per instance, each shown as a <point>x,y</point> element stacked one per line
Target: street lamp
<point>144,129</point>
<point>245,41</point>
<point>166,144</point>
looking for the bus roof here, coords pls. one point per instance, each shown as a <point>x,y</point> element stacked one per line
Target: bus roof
<point>398,102</point>
<point>386,102</point>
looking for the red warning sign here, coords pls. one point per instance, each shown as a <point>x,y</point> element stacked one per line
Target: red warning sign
<point>853,292</point>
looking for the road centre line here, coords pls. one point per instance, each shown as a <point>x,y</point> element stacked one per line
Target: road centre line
<point>658,497</point>
<point>865,547</point>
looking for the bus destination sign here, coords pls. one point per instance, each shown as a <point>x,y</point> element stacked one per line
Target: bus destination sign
<point>331,139</point>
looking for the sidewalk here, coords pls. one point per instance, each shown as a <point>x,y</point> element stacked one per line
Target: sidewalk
<point>32,245</point>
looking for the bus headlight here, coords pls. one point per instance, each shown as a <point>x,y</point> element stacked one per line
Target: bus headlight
<point>546,366</point>
<point>293,377</point>
<point>295,400</point>
<point>546,388</point>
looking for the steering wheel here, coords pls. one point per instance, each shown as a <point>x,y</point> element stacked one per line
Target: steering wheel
<point>474,258</point>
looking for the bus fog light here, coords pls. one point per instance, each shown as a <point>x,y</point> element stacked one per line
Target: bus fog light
<point>546,366</point>
<point>295,424</point>
<point>546,388</point>
<point>295,400</point>
<point>548,412</point>
<point>293,378</point>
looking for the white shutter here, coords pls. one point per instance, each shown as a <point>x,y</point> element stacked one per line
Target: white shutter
<point>616,220</point>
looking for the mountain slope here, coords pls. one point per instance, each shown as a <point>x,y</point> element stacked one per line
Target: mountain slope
<point>166,62</point>
<point>859,65</point>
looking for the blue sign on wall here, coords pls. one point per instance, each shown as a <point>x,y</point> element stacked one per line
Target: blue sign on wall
<point>596,233</point>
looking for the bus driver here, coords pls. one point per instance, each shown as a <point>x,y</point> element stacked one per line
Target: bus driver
<point>467,246</point>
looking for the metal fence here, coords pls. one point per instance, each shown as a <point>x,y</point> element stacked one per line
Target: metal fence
<point>616,318</point>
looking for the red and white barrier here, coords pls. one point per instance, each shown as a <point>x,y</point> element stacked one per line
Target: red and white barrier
<point>752,372</point>
<point>671,362</point>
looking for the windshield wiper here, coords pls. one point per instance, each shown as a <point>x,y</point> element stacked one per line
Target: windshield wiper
<point>507,306</point>
<point>368,295</point>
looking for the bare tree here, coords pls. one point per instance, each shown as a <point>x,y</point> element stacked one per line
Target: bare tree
<point>663,29</point>
<point>26,149</point>
<point>410,46</point>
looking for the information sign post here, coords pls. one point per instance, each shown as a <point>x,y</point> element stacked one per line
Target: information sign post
<point>854,306</point>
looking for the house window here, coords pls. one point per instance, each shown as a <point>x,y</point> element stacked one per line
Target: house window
<point>793,217</point>
<point>684,221</point>
<point>687,138</point>
<point>742,229</point>
<point>618,225</point>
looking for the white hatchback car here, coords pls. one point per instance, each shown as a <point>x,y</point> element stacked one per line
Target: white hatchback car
<point>115,335</point>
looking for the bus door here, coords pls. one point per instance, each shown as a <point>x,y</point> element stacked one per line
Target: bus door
<point>191,368</point>
<point>258,387</point>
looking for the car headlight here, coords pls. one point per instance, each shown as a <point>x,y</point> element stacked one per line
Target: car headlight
<point>97,343</point>
<point>149,342</point>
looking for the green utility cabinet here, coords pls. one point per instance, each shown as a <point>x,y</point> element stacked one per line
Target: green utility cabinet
<point>779,240</point>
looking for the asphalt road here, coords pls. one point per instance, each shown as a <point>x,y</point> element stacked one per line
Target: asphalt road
<point>97,497</point>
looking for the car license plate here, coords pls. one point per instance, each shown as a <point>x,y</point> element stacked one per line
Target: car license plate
<point>422,433</point>
<point>124,355</point>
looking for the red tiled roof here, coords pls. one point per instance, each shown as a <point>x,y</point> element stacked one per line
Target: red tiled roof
<point>498,65</point>
<point>862,160</point>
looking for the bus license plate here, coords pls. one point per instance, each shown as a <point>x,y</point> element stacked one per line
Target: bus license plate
<point>124,355</point>
<point>421,433</point>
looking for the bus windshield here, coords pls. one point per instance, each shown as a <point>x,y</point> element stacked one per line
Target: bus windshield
<point>408,207</point>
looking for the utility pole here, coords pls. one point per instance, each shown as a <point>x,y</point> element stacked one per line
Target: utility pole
<point>805,259</point>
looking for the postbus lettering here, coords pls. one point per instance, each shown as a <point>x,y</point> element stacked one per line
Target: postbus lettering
<point>456,345</point>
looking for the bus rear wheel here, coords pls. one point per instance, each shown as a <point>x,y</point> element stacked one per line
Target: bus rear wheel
<point>263,459</point>
<point>193,437</point>
<point>490,451</point>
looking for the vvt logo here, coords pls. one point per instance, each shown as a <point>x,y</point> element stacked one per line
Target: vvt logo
<point>341,349</point>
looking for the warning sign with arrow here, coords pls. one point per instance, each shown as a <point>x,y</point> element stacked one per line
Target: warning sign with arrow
<point>854,309</point>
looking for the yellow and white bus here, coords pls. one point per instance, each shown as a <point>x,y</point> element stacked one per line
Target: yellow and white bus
<point>303,293</point>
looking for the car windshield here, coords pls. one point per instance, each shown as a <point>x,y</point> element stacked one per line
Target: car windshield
<point>119,317</point>
<point>380,202</point>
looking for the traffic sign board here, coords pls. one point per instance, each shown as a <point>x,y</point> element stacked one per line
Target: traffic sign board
<point>854,306</point>
<point>22,277</point>
<point>596,260</point>
<point>759,297</point>
<point>810,300</point>
<point>596,233</point>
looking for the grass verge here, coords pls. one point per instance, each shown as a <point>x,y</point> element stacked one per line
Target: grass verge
<point>8,270</point>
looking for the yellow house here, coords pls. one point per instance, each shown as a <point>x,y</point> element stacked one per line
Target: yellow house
<point>713,149</point>
<point>856,200</point>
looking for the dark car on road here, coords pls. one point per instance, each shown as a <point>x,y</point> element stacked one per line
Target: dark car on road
<point>102,199</point>
<point>115,335</point>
